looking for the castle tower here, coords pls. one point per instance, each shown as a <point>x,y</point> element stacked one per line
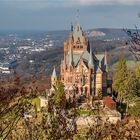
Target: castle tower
<point>79,43</point>
<point>53,78</point>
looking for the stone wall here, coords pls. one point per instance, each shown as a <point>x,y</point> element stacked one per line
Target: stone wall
<point>88,121</point>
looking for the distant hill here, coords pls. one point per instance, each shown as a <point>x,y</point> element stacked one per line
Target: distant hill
<point>98,33</point>
<point>107,34</point>
<point>101,39</point>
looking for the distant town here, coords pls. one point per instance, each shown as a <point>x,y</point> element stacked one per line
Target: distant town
<point>16,48</point>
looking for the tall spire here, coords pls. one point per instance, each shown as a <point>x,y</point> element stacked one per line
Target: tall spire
<point>77,30</point>
<point>88,46</point>
<point>71,27</point>
<point>105,60</point>
<point>70,57</point>
<point>90,63</point>
<point>54,73</point>
<point>77,16</point>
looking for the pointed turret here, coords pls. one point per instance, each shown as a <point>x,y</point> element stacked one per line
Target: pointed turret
<point>53,77</point>
<point>88,46</point>
<point>90,63</point>
<point>71,27</point>
<point>105,61</point>
<point>77,33</point>
<point>70,57</point>
<point>54,73</point>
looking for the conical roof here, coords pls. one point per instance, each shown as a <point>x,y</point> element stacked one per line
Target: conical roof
<point>90,63</point>
<point>54,73</point>
<point>105,61</point>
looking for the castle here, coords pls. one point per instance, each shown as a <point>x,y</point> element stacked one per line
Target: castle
<point>82,72</point>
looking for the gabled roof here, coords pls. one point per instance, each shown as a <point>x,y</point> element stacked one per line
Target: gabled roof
<point>97,60</point>
<point>76,58</point>
<point>100,56</point>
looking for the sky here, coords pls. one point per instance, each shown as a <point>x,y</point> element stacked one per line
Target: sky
<point>59,14</point>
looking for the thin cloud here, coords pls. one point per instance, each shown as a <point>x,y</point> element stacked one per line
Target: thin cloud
<point>106,2</point>
<point>129,2</point>
<point>96,2</point>
<point>41,4</point>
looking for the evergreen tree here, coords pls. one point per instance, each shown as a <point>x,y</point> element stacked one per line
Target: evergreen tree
<point>120,77</point>
<point>127,85</point>
<point>60,97</point>
<point>130,87</point>
<point>133,98</point>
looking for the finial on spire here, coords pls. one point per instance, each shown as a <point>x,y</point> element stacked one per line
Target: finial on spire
<point>77,16</point>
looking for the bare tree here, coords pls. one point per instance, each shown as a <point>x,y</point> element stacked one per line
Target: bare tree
<point>134,41</point>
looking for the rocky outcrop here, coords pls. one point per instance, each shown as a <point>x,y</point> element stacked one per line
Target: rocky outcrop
<point>96,33</point>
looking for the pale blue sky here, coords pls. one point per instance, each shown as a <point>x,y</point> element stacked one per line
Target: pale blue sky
<point>58,14</point>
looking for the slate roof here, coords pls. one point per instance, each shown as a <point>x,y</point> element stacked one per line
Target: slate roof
<point>98,60</point>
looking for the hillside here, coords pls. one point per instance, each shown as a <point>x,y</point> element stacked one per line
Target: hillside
<point>42,62</point>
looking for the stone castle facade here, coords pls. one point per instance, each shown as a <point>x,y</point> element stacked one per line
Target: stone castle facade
<point>82,71</point>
